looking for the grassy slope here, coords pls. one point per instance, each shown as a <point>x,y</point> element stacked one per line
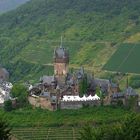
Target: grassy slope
<point>89,27</point>
<point>97,115</point>
<point>125,59</point>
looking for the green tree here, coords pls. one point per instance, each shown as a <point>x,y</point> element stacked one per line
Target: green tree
<point>100,94</point>
<point>81,88</point>
<point>83,85</point>
<point>87,133</point>
<point>4,130</point>
<point>129,129</point>
<point>132,103</point>
<point>19,91</point>
<point>8,105</point>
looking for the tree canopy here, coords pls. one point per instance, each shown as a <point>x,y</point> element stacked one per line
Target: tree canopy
<point>5,130</point>
<point>125,130</point>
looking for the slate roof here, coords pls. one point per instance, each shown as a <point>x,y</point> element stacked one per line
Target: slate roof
<point>45,94</point>
<point>60,53</point>
<point>130,92</point>
<point>70,82</point>
<point>102,83</point>
<point>48,80</point>
<point>118,95</point>
<point>80,73</point>
<point>114,85</point>
<point>69,76</point>
<point>127,92</point>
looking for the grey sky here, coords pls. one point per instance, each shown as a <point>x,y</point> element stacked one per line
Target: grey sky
<point>6,5</point>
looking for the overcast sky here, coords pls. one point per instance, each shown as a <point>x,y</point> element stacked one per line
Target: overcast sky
<point>6,5</point>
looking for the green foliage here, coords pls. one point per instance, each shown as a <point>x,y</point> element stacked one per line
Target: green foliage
<point>20,92</point>
<point>5,130</point>
<point>131,127</point>
<point>98,91</point>
<point>87,133</point>
<point>83,85</point>
<point>8,105</point>
<point>28,117</point>
<point>89,27</point>
<point>100,94</point>
<point>56,133</point>
<point>119,103</point>
<point>126,130</point>
<point>135,81</point>
<point>132,103</point>
<point>125,59</point>
<point>26,71</point>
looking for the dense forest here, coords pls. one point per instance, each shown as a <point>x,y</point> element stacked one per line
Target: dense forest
<point>89,27</point>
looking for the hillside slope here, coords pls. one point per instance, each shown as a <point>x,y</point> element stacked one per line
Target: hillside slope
<point>90,29</point>
<point>6,5</point>
<point>125,59</point>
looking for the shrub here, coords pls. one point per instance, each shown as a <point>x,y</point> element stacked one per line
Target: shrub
<point>4,130</point>
<point>129,129</point>
<point>20,92</point>
<point>8,105</point>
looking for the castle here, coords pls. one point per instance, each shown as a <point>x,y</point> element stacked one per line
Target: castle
<point>67,90</point>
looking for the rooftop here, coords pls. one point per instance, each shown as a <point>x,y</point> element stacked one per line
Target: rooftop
<point>61,53</point>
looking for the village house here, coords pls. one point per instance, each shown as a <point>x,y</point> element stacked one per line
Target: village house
<point>5,86</point>
<point>124,96</point>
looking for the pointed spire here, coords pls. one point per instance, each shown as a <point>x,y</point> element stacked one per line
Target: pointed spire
<point>110,80</point>
<point>93,74</point>
<point>54,53</point>
<point>61,45</point>
<point>127,82</point>
<point>82,70</point>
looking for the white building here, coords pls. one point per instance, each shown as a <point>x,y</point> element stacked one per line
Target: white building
<point>77,98</point>
<point>5,88</point>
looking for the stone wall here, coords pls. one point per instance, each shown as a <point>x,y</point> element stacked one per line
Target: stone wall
<point>42,102</point>
<point>77,104</point>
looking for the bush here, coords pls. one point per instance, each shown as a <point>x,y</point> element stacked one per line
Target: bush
<point>120,103</point>
<point>4,130</point>
<point>129,129</point>
<point>8,105</point>
<point>19,91</point>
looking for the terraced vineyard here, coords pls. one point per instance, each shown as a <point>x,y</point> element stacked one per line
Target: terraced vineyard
<point>46,133</point>
<point>38,124</point>
<point>125,59</point>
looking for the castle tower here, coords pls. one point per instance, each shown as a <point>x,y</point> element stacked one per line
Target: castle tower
<point>61,60</point>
